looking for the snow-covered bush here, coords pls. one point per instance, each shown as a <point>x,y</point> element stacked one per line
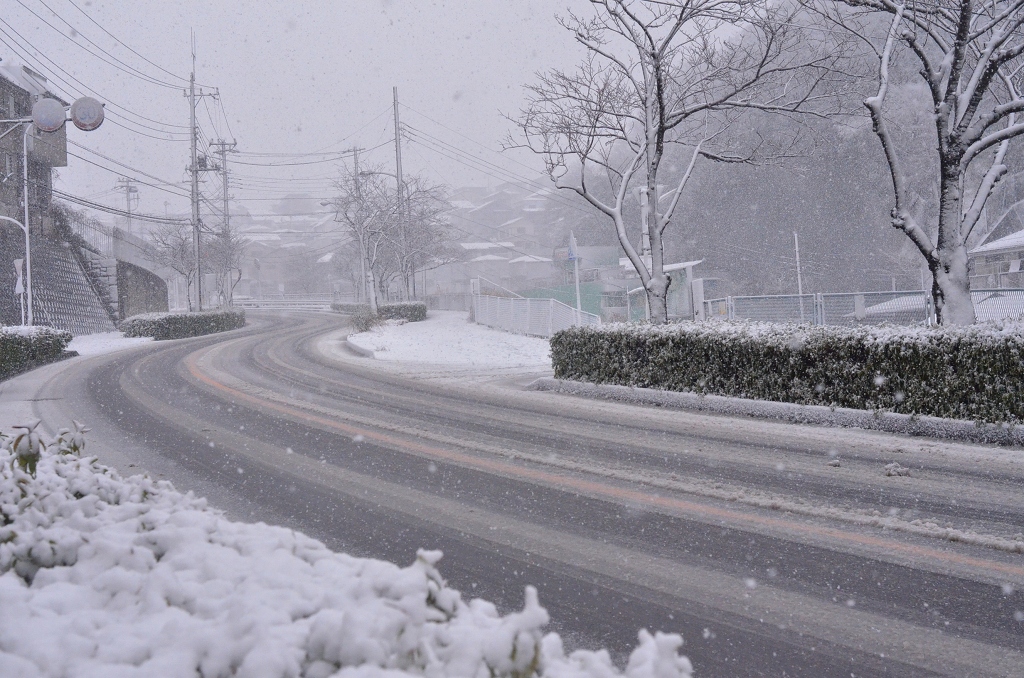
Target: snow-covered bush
<point>413,311</point>
<point>22,348</point>
<point>102,575</point>
<point>181,325</point>
<point>974,372</point>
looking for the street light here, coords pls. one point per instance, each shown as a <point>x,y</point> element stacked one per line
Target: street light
<point>48,115</point>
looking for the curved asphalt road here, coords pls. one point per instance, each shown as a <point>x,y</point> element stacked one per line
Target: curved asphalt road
<point>623,517</point>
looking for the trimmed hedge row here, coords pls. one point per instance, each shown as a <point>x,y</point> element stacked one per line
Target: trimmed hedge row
<point>22,348</point>
<point>413,311</point>
<point>181,325</point>
<point>973,373</point>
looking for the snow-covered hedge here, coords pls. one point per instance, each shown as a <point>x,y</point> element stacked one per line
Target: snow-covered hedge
<point>102,575</point>
<point>413,311</point>
<point>974,373</point>
<point>182,325</point>
<point>22,348</point>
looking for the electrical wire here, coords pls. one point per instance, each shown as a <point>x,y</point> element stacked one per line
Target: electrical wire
<point>119,65</point>
<point>114,210</point>
<point>118,41</point>
<point>24,53</point>
<point>118,162</point>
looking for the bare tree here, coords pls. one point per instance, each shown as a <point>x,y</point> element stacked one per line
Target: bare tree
<point>662,73</point>
<point>170,246</point>
<point>426,240</point>
<point>969,54</point>
<point>223,256</point>
<point>368,210</point>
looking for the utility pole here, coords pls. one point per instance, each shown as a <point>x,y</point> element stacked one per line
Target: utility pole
<point>222,148</point>
<point>401,210</point>
<point>363,297</point>
<point>195,167</point>
<point>799,278</point>
<point>127,184</point>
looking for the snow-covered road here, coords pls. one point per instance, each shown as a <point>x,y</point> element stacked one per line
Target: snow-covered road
<point>771,547</point>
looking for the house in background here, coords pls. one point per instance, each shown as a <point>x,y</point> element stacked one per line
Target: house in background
<point>997,264</point>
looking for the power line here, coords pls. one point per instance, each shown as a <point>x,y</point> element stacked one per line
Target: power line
<point>121,164</point>
<point>119,65</point>
<point>117,172</point>
<point>25,53</point>
<point>118,41</point>
<point>114,210</point>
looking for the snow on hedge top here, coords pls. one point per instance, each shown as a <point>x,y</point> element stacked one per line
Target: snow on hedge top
<point>793,334</point>
<point>108,576</point>
<point>32,331</point>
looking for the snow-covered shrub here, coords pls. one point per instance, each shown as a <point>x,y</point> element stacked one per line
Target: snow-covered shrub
<point>365,320</point>
<point>181,325</point>
<point>104,575</point>
<point>22,348</point>
<point>974,372</point>
<point>413,311</point>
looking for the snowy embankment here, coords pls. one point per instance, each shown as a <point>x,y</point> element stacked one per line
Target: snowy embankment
<point>108,576</point>
<point>447,337</point>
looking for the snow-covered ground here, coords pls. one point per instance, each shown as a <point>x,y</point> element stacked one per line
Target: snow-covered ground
<point>104,342</point>
<point>108,576</point>
<point>448,338</point>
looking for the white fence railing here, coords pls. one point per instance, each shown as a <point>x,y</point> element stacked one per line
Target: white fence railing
<point>537,317</point>
<point>284,301</point>
<point>902,308</point>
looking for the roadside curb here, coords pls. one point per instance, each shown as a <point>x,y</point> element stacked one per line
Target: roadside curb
<point>358,350</point>
<point>841,417</point>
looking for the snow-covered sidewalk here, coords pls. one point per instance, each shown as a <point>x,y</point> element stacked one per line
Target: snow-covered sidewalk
<point>104,342</point>
<point>449,338</point>
<point>108,576</point>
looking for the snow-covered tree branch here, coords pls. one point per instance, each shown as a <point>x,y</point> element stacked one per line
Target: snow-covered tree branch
<point>969,54</point>
<point>666,74</point>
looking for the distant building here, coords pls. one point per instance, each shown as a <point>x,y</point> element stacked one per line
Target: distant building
<point>997,264</point>
<point>20,87</point>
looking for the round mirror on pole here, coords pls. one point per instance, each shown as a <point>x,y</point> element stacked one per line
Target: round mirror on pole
<point>48,115</point>
<point>87,114</point>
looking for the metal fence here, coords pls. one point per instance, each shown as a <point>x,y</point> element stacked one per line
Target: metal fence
<point>537,317</point>
<point>902,308</point>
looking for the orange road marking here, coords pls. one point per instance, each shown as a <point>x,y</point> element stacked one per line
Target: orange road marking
<point>608,491</point>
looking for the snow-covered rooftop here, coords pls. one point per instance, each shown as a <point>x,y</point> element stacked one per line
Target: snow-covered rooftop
<point>22,76</point>
<point>1014,241</point>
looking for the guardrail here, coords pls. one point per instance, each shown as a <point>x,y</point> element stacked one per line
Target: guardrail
<point>287,301</point>
<point>536,317</point>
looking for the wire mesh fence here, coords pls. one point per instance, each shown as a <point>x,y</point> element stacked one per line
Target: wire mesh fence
<point>537,317</point>
<point>914,307</point>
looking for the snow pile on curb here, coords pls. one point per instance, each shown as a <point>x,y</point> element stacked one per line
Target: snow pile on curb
<point>819,415</point>
<point>108,576</point>
<point>446,337</point>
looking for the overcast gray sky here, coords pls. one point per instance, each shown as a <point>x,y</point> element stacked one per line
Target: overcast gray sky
<point>294,76</point>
